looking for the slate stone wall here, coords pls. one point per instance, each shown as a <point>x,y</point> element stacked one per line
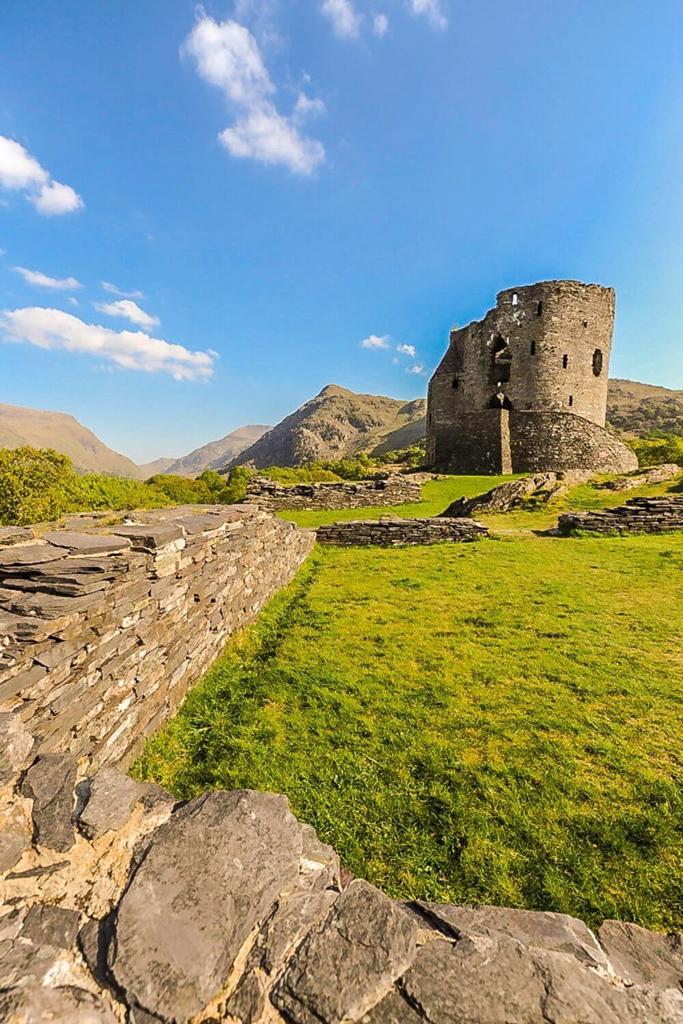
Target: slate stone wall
<point>543,349</point>
<point>121,905</point>
<point>392,532</point>
<point>104,629</point>
<point>395,489</point>
<point>639,515</point>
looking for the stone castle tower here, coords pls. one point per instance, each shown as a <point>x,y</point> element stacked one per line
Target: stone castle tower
<point>525,389</point>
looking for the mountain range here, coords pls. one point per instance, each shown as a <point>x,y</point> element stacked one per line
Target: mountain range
<point>337,422</point>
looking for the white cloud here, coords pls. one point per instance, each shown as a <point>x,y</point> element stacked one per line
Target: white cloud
<point>55,199</point>
<point>19,171</point>
<point>43,281</point>
<point>129,350</point>
<point>406,350</point>
<point>72,300</point>
<point>114,290</point>
<point>417,368</point>
<point>344,18</point>
<point>375,341</point>
<point>432,10</point>
<point>380,25</point>
<point>129,310</point>
<point>227,56</point>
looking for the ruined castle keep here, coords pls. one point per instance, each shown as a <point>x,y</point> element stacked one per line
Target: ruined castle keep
<point>525,389</point>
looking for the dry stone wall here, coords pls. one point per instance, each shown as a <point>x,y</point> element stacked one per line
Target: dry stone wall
<point>639,515</point>
<point>383,491</point>
<point>123,905</point>
<point>391,532</point>
<point>656,475</point>
<point>104,629</point>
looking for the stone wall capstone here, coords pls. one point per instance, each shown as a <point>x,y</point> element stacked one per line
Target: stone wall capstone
<point>104,629</point>
<point>394,489</point>
<point>638,515</point>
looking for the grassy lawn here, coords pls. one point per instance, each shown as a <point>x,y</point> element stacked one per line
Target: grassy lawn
<point>495,722</point>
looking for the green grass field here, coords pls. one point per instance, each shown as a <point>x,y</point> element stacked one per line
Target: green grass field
<point>495,722</point>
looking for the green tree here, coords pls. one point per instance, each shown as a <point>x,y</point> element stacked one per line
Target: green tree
<point>35,484</point>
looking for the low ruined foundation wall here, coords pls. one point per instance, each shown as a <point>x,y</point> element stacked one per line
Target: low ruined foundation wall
<point>391,532</point>
<point>639,515</point>
<point>103,630</point>
<point>394,490</point>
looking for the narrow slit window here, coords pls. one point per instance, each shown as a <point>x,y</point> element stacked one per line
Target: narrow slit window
<point>565,361</point>
<point>597,362</point>
<point>571,401</point>
<point>455,383</point>
<point>585,323</point>
<point>532,348</point>
<point>515,298</point>
<point>539,309</point>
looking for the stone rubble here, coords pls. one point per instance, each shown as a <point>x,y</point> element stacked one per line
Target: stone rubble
<point>394,532</point>
<point>539,488</point>
<point>657,475</point>
<point>388,489</point>
<point>638,515</point>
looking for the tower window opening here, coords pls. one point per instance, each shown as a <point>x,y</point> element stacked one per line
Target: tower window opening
<point>532,348</point>
<point>455,383</point>
<point>597,362</point>
<point>565,361</point>
<point>571,400</point>
<point>585,323</point>
<point>500,401</point>
<point>515,298</point>
<point>539,309</point>
<point>501,361</point>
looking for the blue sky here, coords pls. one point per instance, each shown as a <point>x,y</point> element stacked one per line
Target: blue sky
<point>272,182</point>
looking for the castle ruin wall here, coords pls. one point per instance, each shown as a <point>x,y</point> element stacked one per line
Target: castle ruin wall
<point>395,489</point>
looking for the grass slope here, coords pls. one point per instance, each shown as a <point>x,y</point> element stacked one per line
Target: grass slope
<point>496,722</point>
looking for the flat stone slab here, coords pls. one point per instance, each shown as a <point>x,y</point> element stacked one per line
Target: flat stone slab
<point>644,957</point>
<point>50,784</point>
<point>209,876</point>
<point>87,543</point>
<point>29,554</point>
<point>149,537</point>
<point>15,535</point>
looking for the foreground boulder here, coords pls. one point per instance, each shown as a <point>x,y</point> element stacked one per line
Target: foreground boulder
<point>537,489</point>
<point>130,907</point>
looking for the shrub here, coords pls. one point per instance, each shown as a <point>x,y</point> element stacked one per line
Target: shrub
<point>657,448</point>
<point>35,484</point>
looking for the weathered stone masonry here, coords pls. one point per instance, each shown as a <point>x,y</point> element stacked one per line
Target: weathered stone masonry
<point>525,389</point>
<point>102,633</point>
<point>393,490</point>
<point>394,532</point>
<point>639,515</point>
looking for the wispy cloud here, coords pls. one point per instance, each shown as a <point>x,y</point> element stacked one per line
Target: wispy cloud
<point>406,350</point>
<point>344,18</point>
<point>130,350</point>
<point>41,280</point>
<point>114,290</point>
<point>227,56</point>
<point>129,310</point>
<point>417,368</point>
<point>21,172</point>
<point>380,25</point>
<point>71,299</point>
<point>432,10</point>
<point>375,341</point>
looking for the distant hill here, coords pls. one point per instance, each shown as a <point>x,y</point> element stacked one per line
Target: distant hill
<point>335,423</point>
<point>19,426</point>
<point>216,453</point>
<point>638,409</point>
<point>148,469</point>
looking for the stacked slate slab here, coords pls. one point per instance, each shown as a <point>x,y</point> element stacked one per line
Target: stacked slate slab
<point>638,515</point>
<point>104,628</point>
<point>389,490</point>
<point>393,532</point>
<point>126,906</point>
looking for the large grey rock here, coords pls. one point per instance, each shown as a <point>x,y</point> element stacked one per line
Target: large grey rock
<point>66,1005</point>
<point>643,957</point>
<point>535,929</point>
<point>50,784</point>
<point>15,835</point>
<point>350,961</point>
<point>28,554</point>
<point>15,535</point>
<point>112,799</point>
<point>209,876</point>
